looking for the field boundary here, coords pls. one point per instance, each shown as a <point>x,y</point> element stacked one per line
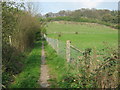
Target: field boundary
<point>61,48</point>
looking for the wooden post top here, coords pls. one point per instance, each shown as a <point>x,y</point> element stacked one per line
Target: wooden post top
<point>68,41</point>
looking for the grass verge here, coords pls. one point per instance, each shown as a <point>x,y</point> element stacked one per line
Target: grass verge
<point>57,66</point>
<point>29,77</point>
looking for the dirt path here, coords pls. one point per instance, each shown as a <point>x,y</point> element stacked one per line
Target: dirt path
<point>44,77</point>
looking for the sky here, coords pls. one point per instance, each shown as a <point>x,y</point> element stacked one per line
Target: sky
<point>45,6</point>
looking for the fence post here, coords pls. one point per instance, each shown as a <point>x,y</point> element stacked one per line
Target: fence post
<point>44,36</point>
<point>57,46</point>
<point>10,41</point>
<point>68,50</point>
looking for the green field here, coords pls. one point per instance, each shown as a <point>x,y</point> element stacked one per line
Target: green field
<point>89,35</point>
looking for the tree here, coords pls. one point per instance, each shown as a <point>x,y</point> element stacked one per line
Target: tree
<point>107,18</point>
<point>61,13</point>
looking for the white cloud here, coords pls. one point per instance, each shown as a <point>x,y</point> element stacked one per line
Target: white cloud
<point>91,3</point>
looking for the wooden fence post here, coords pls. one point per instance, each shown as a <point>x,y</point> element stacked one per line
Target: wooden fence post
<point>68,50</point>
<point>57,46</point>
<point>44,35</point>
<point>10,41</point>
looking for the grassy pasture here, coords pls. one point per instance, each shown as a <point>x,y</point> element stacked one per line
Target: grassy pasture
<point>89,34</point>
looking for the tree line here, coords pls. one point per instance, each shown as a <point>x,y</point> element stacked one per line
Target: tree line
<point>101,16</point>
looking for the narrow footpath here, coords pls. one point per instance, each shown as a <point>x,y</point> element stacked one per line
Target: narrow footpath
<point>44,77</point>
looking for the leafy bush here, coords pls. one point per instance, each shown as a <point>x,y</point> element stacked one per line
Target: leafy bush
<point>12,63</point>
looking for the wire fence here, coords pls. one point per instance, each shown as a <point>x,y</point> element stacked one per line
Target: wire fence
<point>65,50</point>
<point>102,67</point>
<point>57,45</point>
<point>68,51</point>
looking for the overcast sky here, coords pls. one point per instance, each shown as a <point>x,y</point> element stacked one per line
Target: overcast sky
<point>45,6</point>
